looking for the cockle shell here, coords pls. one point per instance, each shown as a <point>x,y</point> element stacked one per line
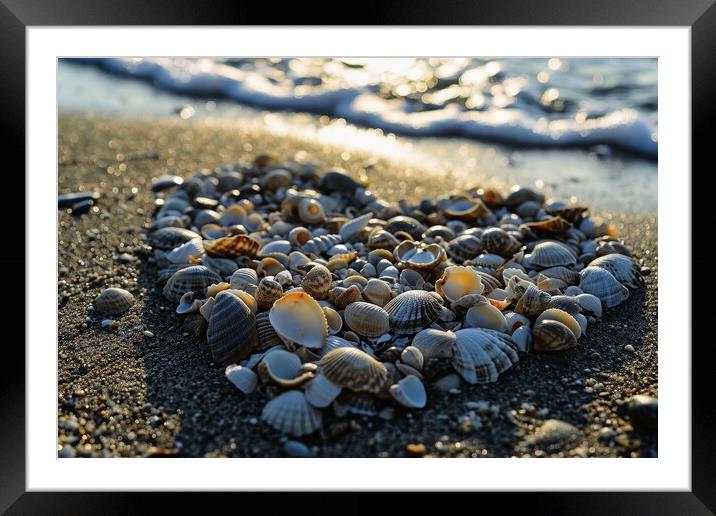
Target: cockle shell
<point>434,343</point>
<point>232,246</point>
<point>601,283</point>
<point>418,256</point>
<point>351,230</point>
<point>267,336</point>
<point>623,268</point>
<point>284,368</point>
<point>412,311</point>
<point>482,355</point>
<point>413,357</point>
<point>113,301</point>
<point>367,319</point>
<point>320,391</point>
<point>242,377</point>
<point>566,303</point>
<point>334,342</point>
<point>291,413</point>
<point>464,247</point>
<point>569,276</point>
<point>533,302</point>
<point>458,281</point>
<point>191,249</point>
<point>169,238</point>
<point>317,282</point>
<point>555,314</point>
<point>552,335</point>
<point>591,305</point>
<point>189,279</point>
<point>188,305</point>
<point>341,297</point>
<point>299,319</point>
<point>409,392</point>
<point>498,241</point>
<point>267,292</point>
<point>485,315</point>
<point>232,329</point>
<point>353,369</point>
<point>378,292</point>
<point>269,266</point>
<point>552,254</point>
<point>405,224</point>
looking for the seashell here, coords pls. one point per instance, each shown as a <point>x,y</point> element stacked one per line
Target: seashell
<point>466,208</point>
<point>484,315</point>
<point>243,278</point>
<point>320,244</point>
<point>299,236</point>
<point>551,285</point>
<point>213,231</point>
<point>434,343</point>
<point>533,302</point>
<point>556,226</point>
<point>555,314</point>
<point>412,311</point>
<point>413,357</point>
<point>299,319</point>
<point>242,377</point>
<point>232,246</point>
<point>509,273</point>
<point>565,303</point>
<point>311,211</point>
<point>487,262</point>
<point>552,254</point>
<point>334,320</point>
<point>320,391</point>
<point>582,321</point>
<point>222,266</point>
<point>284,278</point>
<point>499,298</point>
<point>275,246</point>
<point>523,338</point>
<point>411,278</point>
<point>552,335</point>
<point>269,266</point>
<point>268,291</point>
<point>515,321</point>
<point>233,215</point>
<point>113,301</point>
<point>408,370</point>
<point>358,281</point>
<point>418,256</point>
<point>176,221</point>
<point>568,213</point>
<point>291,413</point>
<point>334,342</point>
<point>409,392</point>
<point>192,249</point>
<point>376,255</point>
<point>601,283</point>
<point>204,217</point>
<point>607,248</point>
<point>481,355</point>
<point>591,305</point>
<point>433,233</point>
<point>367,319</point>
<point>377,292</point>
<point>500,242</point>
<point>188,305</point>
<point>190,279</point>
<point>368,271</point>
<point>382,239</point>
<point>520,195</point>
<point>623,268</point>
<point>568,276</point>
<point>464,247</point>
<point>389,273</point>
<point>267,336</point>
<point>341,297</point>
<point>232,329</point>
<point>353,369</point>
<point>215,288</point>
<point>405,224</point>
<point>206,308</point>
<point>317,282</point>
<point>573,291</point>
<point>351,230</point>
<point>169,238</point>
<point>457,282</point>
<point>284,368</point>
<point>361,403</point>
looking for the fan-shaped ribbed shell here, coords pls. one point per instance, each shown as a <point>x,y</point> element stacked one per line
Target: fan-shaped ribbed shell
<point>533,302</point>
<point>367,319</point>
<point>267,336</point>
<point>354,369</point>
<point>601,283</point>
<point>321,244</point>
<point>464,247</point>
<point>113,301</point>
<point>291,413</point>
<point>334,342</point>
<point>623,268</point>
<point>232,329</point>
<point>321,392</point>
<point>351,230</point>
<point>334,320</point>
<point>498,241</point>
<point>243,277</point>
<point>299,319</point>
<point>552,335</point>
<point>555,314</point>
<point>317,282</point>
<point>190,279</point>
<point>268,291</point>
<point>170,237</point>
<point>458,281</point>
<point>435,343</point>
<point>192,249</point>
<point>569,276</point>
<point>409,392</point>
<point>232,246</point>
<point>482,355</point>
<point>591,304</point>
<point>412,311</point>
<point>551,254</point>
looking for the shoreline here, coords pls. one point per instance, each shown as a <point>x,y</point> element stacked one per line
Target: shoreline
<point>126,394</point>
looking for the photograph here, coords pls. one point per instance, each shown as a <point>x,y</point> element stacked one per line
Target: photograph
<point>357,257</point>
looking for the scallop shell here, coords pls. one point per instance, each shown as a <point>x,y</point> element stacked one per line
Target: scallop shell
<point>311,211</point>
<point>190,279</point>
<point>533,302</point>
<point>623,268</point>
<point>552,254</point>
<point>555,314</point>
<point>601,283</point>
<point>484,315</point>
<point>367,319</point>
<point>351,230</point>
<point>267,336</point>
<point>458,281</point>
<point>191,249</point>
<point>113,301</point>
<point>232,246</point>
<point>242,377</point>
<point>320,391</point>
<point>268,291</point>
<point>419,256</point>
<point>168,238</point>
<point>243,278</point>
<point>552,335</point>
<point>341,297</point>
<point>232,329</point>
<point>464,247</point>
<point>591,305</point>
<point>378,292</point>
<point>283,368</point>
<point>291,413</point>
<point>353,369</point>
<point>317,282</point>
<point>299,319</point>
<point>498,241</point>
<point>334,342</point>
<point>409,392</point>
<point>412,311</point>
<point>434,343</point>
<point>482,355</point>
<point>320,244</point>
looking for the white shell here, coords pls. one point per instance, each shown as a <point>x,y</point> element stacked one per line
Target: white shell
<point>515,320</point>
<point>623,268</point>
<point>590,304</point>
<point>188,305</point>
<point>435,343</point>
<point>192,249</point>
<point>242,377</point>
<point>523,338</point>
<point>244,277</point>
<point>484,315</point>
<point>299,319</point>
<point>353,228</point>
<point>482,355</point>
<point>291,413</point>
<point>601,283</point>
<point>552,254</point>
<point>458,281</point>
<point>283,368</point>
<point>321,392</point>
<point>409,392</point>
<point>413,357</point>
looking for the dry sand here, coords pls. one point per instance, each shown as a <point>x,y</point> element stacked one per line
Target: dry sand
<point>121,393</point>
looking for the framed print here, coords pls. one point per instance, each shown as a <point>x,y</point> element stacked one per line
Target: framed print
<point>417,249</point>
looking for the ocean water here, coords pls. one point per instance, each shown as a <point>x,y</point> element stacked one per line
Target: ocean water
<point>585,128</point>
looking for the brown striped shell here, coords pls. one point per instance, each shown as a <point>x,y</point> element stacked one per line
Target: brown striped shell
<point>268,291</point>
<point>550,335</point>
<point>367,319</point>
<point>482,355</point>
<point>232,329</point>
<point>232,246</point>
<point>317,282</point>
<point>353,369</point>
<point>412,311</point>
<point>113,301</point>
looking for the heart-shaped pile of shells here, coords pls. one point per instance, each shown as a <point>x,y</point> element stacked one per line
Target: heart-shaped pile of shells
<point>304,280</point>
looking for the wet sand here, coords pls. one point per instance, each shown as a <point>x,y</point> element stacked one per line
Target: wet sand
<point>122,393</point>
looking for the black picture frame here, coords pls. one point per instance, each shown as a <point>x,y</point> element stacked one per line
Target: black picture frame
<point>17,15</point>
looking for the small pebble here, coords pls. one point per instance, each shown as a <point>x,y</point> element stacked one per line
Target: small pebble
<point>417,449</point>
<point>106,323</point>
<point>148,333</point>
<point>629,348</point>
<point>296,449</point>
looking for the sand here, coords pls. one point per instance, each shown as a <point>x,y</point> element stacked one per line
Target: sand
<point>123,393</point>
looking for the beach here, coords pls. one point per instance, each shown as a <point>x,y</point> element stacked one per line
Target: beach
<point>147,389</point>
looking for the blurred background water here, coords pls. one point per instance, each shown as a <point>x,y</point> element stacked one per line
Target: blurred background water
<point>583,125</point>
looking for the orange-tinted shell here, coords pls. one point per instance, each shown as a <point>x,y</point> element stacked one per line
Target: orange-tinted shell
<point>230,247</point>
